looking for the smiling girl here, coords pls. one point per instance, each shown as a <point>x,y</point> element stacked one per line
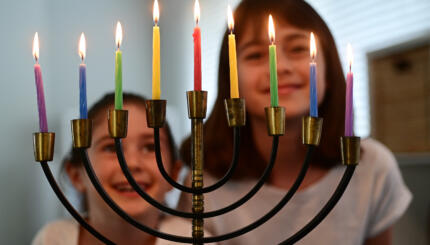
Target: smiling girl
<point>376,196</point>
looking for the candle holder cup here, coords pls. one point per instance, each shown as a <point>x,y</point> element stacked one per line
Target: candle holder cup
<point>81,133</point>
<point>350,149</point>
<point>236,112</point>
<point>155,113</point>
<point>311,130</point>
<point>43,146</point>
<point>275,120</point>
<point>118,122</point>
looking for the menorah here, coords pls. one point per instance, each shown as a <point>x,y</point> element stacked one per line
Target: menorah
<point>197,100</point>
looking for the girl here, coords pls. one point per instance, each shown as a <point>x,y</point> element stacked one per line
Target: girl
<point>376,196</point>
<point>139,151</point>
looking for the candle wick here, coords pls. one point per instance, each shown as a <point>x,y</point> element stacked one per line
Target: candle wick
<point>350,68</point>
<point>37,60</point>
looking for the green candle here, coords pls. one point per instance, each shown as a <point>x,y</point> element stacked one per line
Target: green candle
<point>274,100</point>
<point>118,69</point>
<point>118,80</point>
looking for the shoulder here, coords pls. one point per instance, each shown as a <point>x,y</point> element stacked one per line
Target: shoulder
<point>376,157</point>
<point>388,194</point>
<point>64,231</point>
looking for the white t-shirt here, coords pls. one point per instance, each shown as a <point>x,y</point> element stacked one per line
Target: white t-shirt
<point>375,198</point>
<point>66,232</point>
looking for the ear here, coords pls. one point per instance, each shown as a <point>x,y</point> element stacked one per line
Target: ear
<point>75,174</point>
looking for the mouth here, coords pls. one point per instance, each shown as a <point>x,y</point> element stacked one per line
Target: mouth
<point>125,189</point>
<point>286,89</point>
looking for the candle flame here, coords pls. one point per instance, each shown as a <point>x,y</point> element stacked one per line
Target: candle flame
<point>118,36</point>
<point>156,12</point>
<point>82,46</point>
<point>271,30</point>
<point>313,46</point>
<point>230,19</point>
<point>197,11</point>
<point>350,55</point>
<point>36,46</point>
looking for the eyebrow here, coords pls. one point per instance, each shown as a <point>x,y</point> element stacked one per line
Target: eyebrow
<point>105,137</point>
<point>294,36</point>
<point>250,43</point>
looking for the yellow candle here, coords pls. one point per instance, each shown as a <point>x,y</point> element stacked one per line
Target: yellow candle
<point>156,89</point>
<point>234,85</point>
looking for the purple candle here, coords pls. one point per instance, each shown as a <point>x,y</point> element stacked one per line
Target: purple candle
<point>313,78</point>
<point>43,122</point>
<point>349,107</point>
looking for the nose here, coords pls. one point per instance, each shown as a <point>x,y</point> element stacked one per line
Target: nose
<point>285,65</point>
<point>134,161</point>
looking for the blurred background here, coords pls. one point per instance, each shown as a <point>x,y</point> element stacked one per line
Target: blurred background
<point>391,41</point>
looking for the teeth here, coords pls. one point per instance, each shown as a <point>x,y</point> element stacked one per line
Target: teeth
<point>128,188</point>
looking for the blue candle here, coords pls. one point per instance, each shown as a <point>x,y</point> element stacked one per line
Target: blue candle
<point>82,81</point>
<point>313,79</point>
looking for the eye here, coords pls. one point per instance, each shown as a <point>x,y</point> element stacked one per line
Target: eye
<point>299,49</point>
<point>148,148</point>
<point>254,55</point>
<point>109,148</point>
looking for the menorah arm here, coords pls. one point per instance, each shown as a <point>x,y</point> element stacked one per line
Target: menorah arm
<point>218,184</point>
<point>102,192</point>
<point>238,203</point>
<point>213,239</point>
<point>69,206</point>
<point>325,210</point>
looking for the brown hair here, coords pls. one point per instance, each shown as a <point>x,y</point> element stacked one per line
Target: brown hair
<point>218,137</point>
<point>100,108</point>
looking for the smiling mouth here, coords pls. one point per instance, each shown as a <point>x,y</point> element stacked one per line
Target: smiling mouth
<point>127,189</point>
<point>286,89</point>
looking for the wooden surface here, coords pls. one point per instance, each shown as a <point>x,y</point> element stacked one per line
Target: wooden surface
<point>400,99</point>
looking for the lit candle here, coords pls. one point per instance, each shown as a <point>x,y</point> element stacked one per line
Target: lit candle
<point>118,68</point>
<point>234,86</point>
<point>82,79</point>
<point>156,89</point>
<point>197,49</point>
<point>349,107</point>
<point>43,122</point>
<point>274,100</point>
<point>313,78</point>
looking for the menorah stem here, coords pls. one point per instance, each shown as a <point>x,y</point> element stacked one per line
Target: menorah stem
<point>197,178</point>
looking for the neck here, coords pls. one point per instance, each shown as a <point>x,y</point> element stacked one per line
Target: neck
<point>118,230</point>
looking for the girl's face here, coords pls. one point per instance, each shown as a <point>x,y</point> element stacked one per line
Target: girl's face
<point>293,58</point>
<point>139,152</point>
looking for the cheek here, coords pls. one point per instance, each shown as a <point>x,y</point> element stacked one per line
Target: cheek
<point>104,165</point>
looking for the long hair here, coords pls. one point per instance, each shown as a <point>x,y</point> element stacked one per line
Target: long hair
<point>218,137</point>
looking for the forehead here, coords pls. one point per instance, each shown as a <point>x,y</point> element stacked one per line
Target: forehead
<point>284,32</point>
<point>136,120</point>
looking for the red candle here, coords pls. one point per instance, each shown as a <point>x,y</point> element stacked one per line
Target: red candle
<point>197,50</point>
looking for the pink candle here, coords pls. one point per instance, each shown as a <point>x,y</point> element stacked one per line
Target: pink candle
<point>349,107</point>
<point>43,122</point>
<point>197,50</point>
